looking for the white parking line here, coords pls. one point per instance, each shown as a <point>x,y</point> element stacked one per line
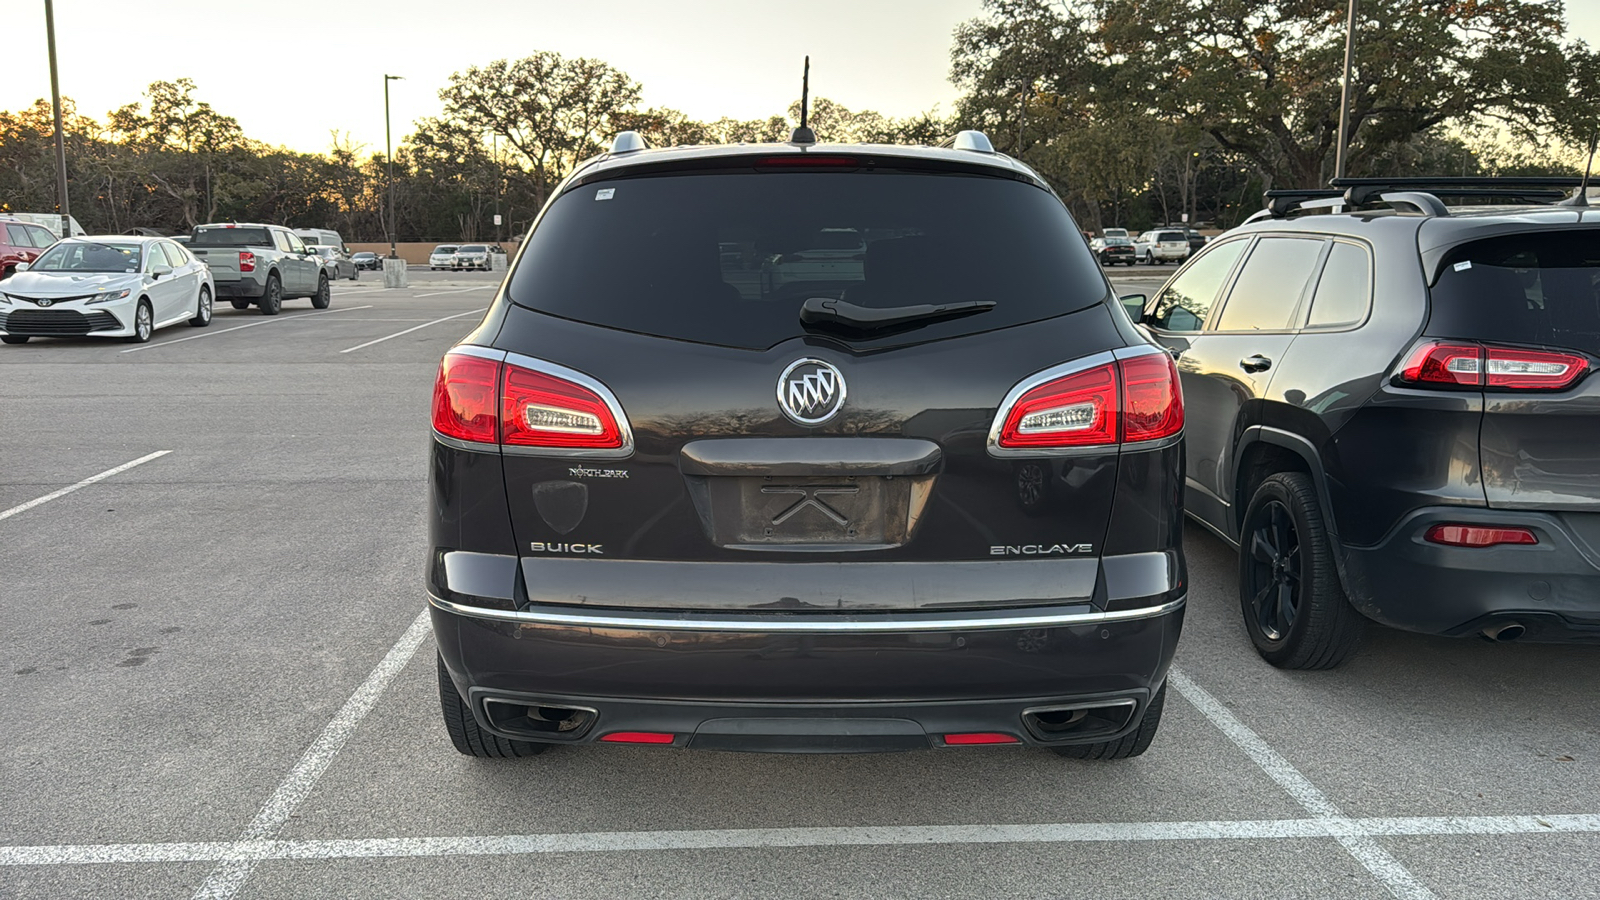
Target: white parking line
<point>483,287</point>
<point>264,321</point>
<point>250,852</point>
<point>1395,877</point>
<point>226,879</point>
<point>470,312</point>
<point>82,484</point>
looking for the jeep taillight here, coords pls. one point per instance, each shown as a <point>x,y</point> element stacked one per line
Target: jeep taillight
<point>486,401</point>
<point>1134,399</point>
<point>1462,364</point>
<point>247,261</point>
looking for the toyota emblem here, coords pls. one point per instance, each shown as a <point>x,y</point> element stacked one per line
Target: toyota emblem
<point>44,302</point>
<point>810,391</point>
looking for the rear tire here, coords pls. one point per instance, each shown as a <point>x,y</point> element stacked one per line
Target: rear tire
<point>202,309</point>
<point>272,300</point>
<point>1130,745</point>
<point>323,297</point>
<point>14,338</point>
<point>1295,609</point>
<point>240,304</point>
<point>465,733</point>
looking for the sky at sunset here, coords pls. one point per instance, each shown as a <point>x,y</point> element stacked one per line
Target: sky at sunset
<point>293,79</point>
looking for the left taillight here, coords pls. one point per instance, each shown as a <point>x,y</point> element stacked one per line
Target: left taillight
<point>1125,401</point>
<point>464,399</point>
<point>488,401</point>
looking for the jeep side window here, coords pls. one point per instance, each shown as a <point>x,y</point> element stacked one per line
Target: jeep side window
<point>1186,303</point>
<point>1268,290</point>
<point>1345,290</point>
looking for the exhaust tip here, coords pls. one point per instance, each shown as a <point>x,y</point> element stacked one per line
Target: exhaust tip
<point>1504,632</point>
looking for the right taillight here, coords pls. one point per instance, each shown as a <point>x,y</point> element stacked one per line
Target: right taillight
<point>486,401</point>
<point>1129,400</point>
<point>247,261</point>
<point>1460,364</point>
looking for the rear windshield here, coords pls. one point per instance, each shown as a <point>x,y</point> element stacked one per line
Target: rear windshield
<point>231,237</point>
<point>1532,288</point>
<point>729,259</point>
<point>1171,236</point>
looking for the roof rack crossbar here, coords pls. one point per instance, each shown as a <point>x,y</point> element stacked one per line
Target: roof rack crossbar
<point>1443,183</point>
<point>1425,203</point>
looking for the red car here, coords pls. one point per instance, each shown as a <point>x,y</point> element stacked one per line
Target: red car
<point>20,242</point>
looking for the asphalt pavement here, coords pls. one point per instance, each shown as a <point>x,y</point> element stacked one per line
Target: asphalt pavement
<point>220,686</point>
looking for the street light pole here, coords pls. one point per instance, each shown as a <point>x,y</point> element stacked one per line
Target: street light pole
<point>388,155</point>
<point>61,140</point>
<point>1344,98</point>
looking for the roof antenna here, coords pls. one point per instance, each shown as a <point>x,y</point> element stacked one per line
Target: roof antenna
<point>804,134</point>
<point>1581,198</point>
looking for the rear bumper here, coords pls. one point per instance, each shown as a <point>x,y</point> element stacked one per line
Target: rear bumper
<point>1551,588</point>
<point>807,683</point>
<point>240,289</point>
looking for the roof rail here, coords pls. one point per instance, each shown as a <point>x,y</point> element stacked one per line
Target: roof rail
<point>1414,194</point>
<point>628,142</point>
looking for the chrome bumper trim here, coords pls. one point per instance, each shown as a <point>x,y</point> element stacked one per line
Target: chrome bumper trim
<point>823,623</point>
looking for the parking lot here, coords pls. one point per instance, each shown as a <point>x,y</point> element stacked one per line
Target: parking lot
<point>222,685</point>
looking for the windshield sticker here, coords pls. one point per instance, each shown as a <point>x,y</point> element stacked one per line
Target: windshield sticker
<point>604,193</point>
<point>1463,266</point>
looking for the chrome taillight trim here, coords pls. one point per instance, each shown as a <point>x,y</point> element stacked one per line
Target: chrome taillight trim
<point>1022,387</point>
<point>828,623</point>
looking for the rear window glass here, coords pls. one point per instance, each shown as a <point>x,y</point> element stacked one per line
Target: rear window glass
<point>729,259</point>
<point>1533,288</point>
<point>231,237</point>
<point>1171,236</point>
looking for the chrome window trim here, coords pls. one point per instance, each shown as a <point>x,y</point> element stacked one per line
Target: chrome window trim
<point>557,371</point>
<point>818,624</point>
<point>1105,357</point>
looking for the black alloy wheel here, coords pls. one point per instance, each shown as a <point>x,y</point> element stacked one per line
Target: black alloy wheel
<point>1274,571</point>
<point>323,296</point>
<point>272,300</point>
<point>1294,605</point>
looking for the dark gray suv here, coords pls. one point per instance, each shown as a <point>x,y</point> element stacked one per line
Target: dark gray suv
<point>805,448</point>
<point>1393,413</point>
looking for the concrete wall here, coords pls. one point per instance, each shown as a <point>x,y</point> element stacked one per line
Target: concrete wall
<point>417,254</point>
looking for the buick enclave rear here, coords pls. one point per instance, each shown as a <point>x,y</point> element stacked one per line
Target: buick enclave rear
<point>709,476</point>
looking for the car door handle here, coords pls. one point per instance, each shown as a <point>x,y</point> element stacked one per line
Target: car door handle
<point>1257,363</point>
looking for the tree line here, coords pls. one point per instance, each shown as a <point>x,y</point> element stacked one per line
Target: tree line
<point>1139,112</point>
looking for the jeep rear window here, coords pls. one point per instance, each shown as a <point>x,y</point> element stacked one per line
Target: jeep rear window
<point>729,259</point>
<point>231,237</point>
<point>1531,288</point>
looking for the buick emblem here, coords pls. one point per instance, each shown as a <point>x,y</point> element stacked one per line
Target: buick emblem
<point>44,302</point>
<point>810,391</point>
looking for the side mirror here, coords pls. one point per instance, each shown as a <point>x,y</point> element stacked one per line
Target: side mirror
<point>20,267</point>
<point>158,271</point>
<point>1134,305</point>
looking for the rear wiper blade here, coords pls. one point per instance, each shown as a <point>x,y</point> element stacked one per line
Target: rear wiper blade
<point>843,314</point>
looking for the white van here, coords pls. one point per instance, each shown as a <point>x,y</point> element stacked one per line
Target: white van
<point>52,221</point>
<point>321,237</point>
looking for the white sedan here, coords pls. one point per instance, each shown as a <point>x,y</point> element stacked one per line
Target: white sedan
<point>116,286</point>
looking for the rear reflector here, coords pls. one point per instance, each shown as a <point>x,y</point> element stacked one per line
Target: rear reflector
<point>1478,535</point>
<point>1460,364</point>
<point>980,737</point>
<point>638,737</point>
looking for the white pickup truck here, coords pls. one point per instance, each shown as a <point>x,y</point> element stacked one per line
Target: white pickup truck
<point>1161,246</point>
